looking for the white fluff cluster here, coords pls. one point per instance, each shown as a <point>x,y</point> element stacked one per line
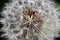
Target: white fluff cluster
<point>14,20</point>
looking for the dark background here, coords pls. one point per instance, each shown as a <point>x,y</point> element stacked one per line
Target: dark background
<point>2,4</point>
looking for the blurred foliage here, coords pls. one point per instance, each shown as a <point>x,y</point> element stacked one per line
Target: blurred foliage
<point>58,6</point>
<point>57,1</point>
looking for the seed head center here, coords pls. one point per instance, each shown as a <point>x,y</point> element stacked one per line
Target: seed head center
<point>29,14</point>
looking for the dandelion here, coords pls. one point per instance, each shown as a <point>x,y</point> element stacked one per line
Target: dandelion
<point>30,20</point>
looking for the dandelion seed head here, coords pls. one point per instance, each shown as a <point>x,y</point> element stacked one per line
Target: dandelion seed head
<point>30,20</point>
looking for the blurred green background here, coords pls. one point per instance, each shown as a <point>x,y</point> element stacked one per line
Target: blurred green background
<point>58,6</point>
